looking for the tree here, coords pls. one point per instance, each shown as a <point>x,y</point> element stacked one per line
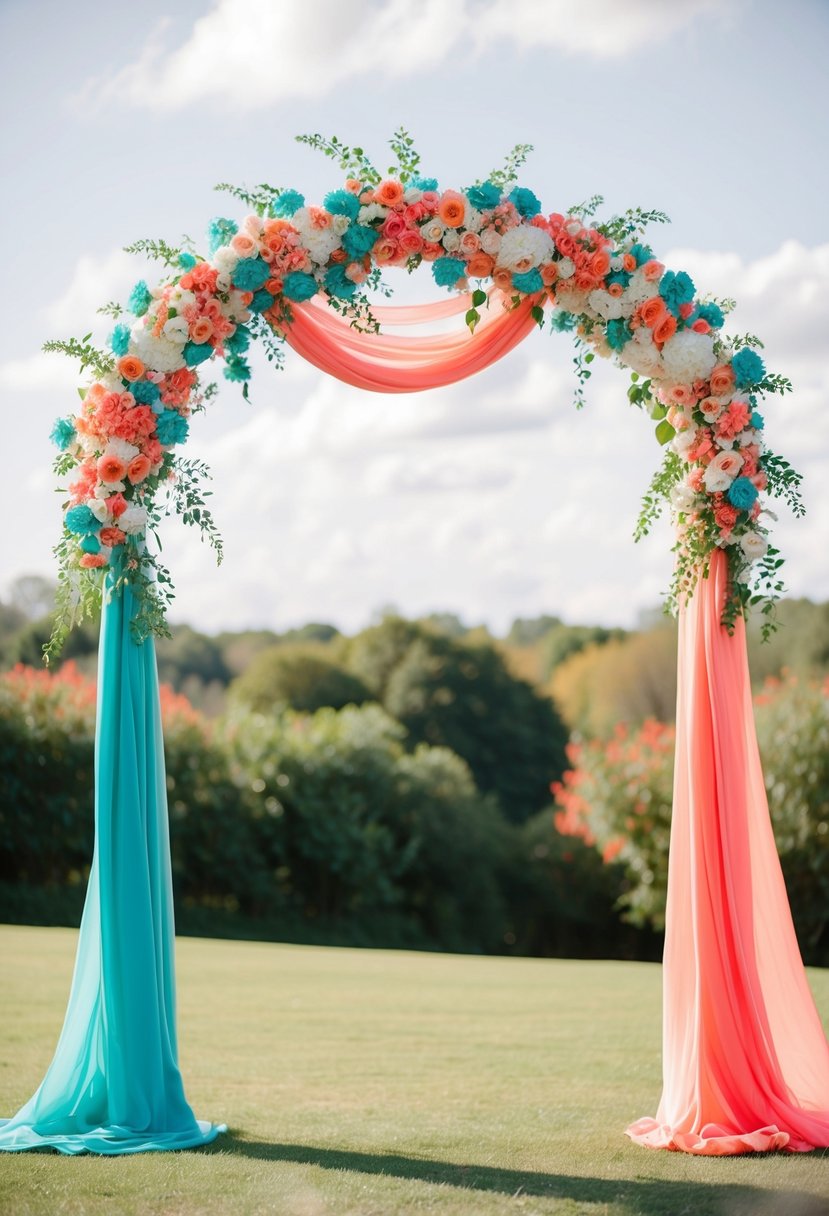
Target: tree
<point>301,677</point>
<point>461,695</point>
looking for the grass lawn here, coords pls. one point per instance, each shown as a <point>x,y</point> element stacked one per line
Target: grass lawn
<point>381,1083</point>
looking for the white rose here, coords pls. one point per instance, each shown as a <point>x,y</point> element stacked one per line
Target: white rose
<point>340,224</point>
<point>566,268</point>
<point>451,240</point>
<point>373,211</point>
<point>225,259</point>
<point>721,471</point>
<point>412,195</point>
<point>133,521</point>
<point>754,545</point>
<point>473,218</point>
<point>180,299</point>
<point>223,281</point>
<point>573,227</point>
<point>432,231</point>
<point>682,497</point>
<point>490,241</point>
<point>176,330</point>
<point>99,508</point>
<point>617,262</point>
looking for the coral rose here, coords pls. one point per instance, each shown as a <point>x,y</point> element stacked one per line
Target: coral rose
<point>480,265</point>
<point>664,329</point>
<point>111,468</point>
<point>652,311</point>
<point>721,380</point>
<point>138,469</point>
<point>502,278</point>
<point>112,536</point>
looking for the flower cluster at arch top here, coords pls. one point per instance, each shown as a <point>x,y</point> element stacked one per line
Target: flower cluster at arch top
<point>605,285</point>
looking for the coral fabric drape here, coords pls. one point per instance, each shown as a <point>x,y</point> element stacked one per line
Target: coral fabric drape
<point>745,1059</point>
<point>386,363</point>
<point>114,1084</point>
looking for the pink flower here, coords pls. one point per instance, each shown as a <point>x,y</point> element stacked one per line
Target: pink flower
<point>385,251</point>
<point>201,329</point>
<point>470,243</point>
<point>653,271</point>
<point>244,244</point>
<point>93,561</point>
<point>138,468</point>
<point>735,419</point>
<point>111,468</point>
<point>116,505</point>
<point>394,226</point>
<point>410,242</point>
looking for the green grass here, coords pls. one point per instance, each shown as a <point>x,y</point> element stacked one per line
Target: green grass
<point>386,1083</point>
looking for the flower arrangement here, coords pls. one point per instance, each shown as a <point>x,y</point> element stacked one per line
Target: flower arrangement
<point>603,282</point>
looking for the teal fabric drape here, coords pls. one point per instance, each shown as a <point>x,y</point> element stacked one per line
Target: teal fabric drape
<point>114,1084</point>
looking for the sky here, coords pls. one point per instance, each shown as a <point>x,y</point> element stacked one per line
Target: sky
<point>494,498</point>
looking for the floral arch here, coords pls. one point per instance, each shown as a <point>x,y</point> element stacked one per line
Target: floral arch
<point>294,274</point>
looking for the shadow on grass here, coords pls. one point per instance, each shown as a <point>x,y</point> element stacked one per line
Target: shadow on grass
<point>648,1196</point>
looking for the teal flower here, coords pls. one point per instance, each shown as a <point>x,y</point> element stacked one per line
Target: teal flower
<point>288,202</point>
<point>80,520</point>
<point>484,197</point>
<point>91,544</point>
<point>617,334</point>
<point>529,282</point>
<point>140,299</point>
<point>676,290</point>
<point>239,340</point>
<point>63,432</point>
<point>251,274</point>
<point>742,494</point>
<point>562,322</point>
<point>757,421</point>
<point>423,183</point>
<point>171,428</point>
<point>748,367</point>
<point>642,253</point>
<point>120,339</point>
<point>525,202</point>
<point>236,369</point>
<point>145,392</point>
<point>261,301</point>
<point>342,202</point>
<point>618,276</point>
<point>447,271</point>
<point>220,232</point>
<point>299,286</point>
<point>337,283</point>
<point>186,260</point>
<point>358,240</point>
<point>711,313</point>
<point>196,352</point>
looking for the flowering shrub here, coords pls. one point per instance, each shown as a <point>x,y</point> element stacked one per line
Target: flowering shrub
<point>118,450</point>
<point>617,796</point>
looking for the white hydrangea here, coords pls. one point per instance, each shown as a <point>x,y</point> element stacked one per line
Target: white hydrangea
<point>97,505</point>
<point>181,299</point>
<point>605,305</point>
<point>320,243</point>
<point>160,354</point>
<point>225,259</point>
<point>639,288</point>
<point>122,449</point>
<point>682,497</point>
<point>641,355</point>
<point>340,224</point>
<point>473,218</point>
<point>566,268</point>
<point>525,245</point>
<point>688,356</point>
<point>134,520</point>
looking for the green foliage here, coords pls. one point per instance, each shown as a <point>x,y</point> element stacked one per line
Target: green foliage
<point>258,198</point>
<point>158,250</point>
<point>658,493</point>
<point>299,677</point>
<point>631,224</point>
<point>89,356</point>
<point>408,158</point>
<point>353,161</point>
<point>187,499</point>
<point>504,176</point>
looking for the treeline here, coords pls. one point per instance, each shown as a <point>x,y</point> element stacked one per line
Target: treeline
<point>394,787</point>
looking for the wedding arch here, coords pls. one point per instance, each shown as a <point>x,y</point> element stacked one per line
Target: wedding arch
<point>746,1064</point>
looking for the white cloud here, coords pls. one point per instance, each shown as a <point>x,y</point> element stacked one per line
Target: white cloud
<point>95,281</point>
<point>258,53</point>
<point>38,372</point>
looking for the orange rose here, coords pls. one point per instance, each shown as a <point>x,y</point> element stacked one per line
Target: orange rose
<point>111,468</point>
<point>549,273</point>
<point>480,265</point>
<point>389,193</point>
<point>201,329</point>
<point>652,311</point>
<point>138,469</point>
<point>502,278</point>
<point>130,367</point>
<point>452,208</point>
<point>628,262</point>
<point>664,329</point>
<point>600,263</point>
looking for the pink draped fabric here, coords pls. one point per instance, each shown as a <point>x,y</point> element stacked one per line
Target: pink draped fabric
<point>386,363</point>
<point>745,1059</point>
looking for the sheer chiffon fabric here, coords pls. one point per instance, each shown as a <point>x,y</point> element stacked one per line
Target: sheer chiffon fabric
<point>745,1058</point>
<point>114,1084</point>
<point>392,363</point>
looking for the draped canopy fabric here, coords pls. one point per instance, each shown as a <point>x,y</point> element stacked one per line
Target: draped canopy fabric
<point>388,363</point>
<point>745,1059</point>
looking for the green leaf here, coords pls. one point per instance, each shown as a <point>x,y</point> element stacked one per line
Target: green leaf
<point>478,298</point>
<point>665,432</point>
<point>472,319</point>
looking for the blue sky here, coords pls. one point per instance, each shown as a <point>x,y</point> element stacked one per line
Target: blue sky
<point>494,498</point>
